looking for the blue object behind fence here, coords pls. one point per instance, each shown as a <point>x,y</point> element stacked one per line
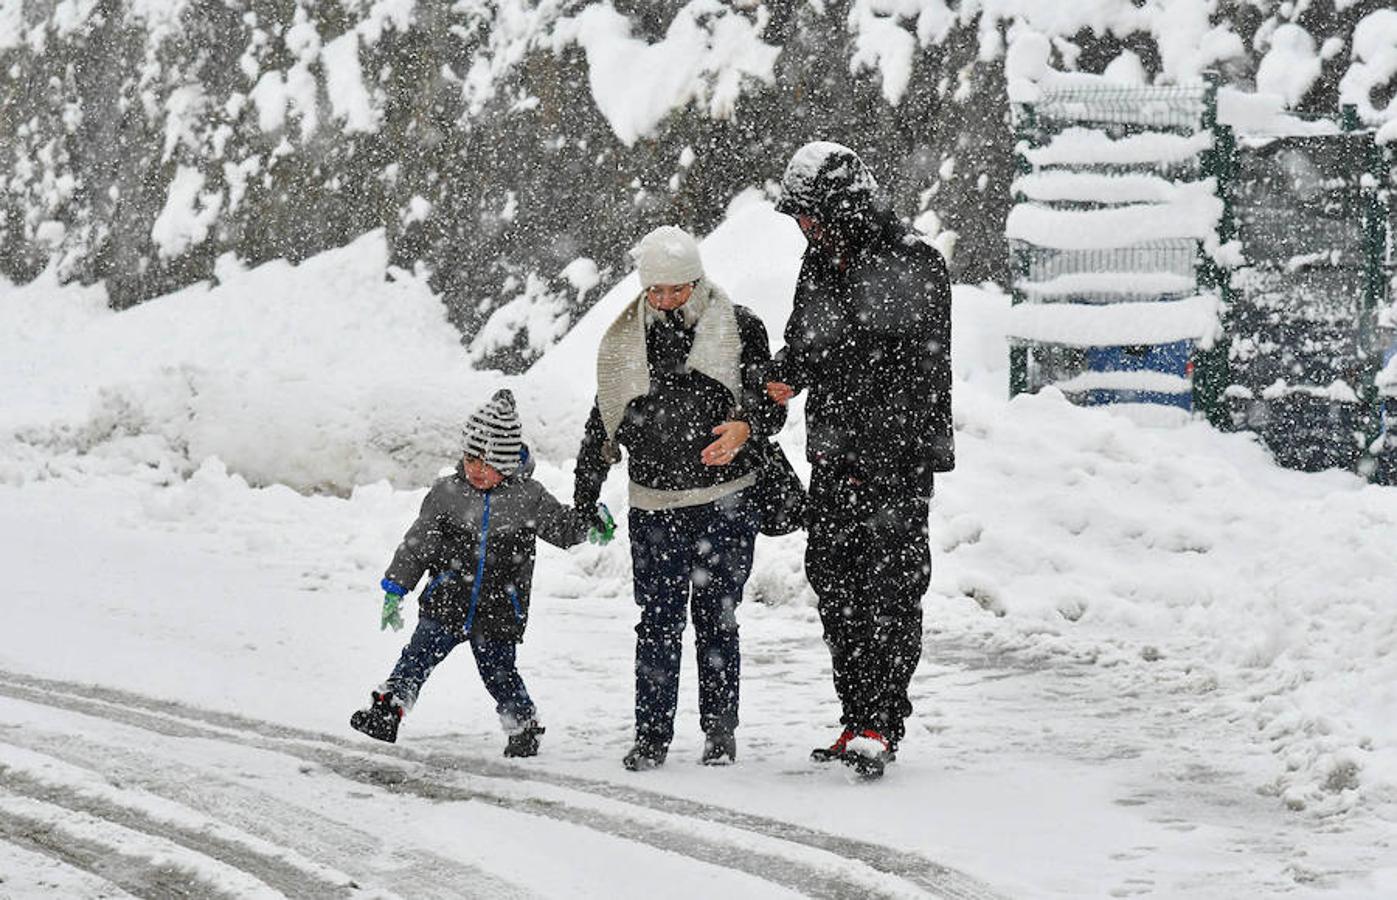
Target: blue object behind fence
<point>1167,359</point>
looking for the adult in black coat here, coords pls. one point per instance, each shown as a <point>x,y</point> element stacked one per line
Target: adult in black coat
<point>680,385</point>
<point>869,338</point>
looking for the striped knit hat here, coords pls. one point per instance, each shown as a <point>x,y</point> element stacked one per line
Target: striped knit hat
<point>493,433</point>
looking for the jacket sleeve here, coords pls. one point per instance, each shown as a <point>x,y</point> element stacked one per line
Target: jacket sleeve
<point>559,525</point>
<point>942,449</point>
<point>592,463</point>
<point>925,352</point>
<point>789,365</point>
<point>913,437</point>
<point>763,415</point>
<point>420,545</point>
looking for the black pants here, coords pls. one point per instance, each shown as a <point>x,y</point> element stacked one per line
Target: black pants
<point>869,562</point>
<point>695,557</point>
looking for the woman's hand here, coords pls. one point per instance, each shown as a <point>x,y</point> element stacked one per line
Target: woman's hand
<point>731,436</point>
<point>779,391</point>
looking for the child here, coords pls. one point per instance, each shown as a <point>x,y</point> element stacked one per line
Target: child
<point>474,538</point>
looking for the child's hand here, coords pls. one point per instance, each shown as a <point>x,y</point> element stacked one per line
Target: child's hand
<point>391,614</point>
<point>603,527</point>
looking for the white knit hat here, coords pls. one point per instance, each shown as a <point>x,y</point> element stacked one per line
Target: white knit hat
<point>493,433</point>
<point>667,255</point>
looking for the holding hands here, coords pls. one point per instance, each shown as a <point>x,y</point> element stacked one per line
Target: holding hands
<point>731,436</point>
<point>603,526</point>
<point>779,391</point>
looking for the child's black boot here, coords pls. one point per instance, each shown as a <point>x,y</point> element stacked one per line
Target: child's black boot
<point>525,741</point>
<point>381,719</point>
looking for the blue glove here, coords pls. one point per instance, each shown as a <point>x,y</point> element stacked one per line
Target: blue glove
<point>391,614</point>
<point>603,527</point>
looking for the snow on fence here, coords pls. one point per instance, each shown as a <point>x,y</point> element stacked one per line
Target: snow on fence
<point>1117,201</point>
<point>1306,338</point>
<point>1157,261</point>
<point>1157,107</point>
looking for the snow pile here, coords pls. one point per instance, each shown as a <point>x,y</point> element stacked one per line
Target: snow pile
<point>318,376</point>
<point>1259,589</point>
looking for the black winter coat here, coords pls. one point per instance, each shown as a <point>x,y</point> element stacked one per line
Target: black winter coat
<point>870,338</point>
<point>665,431</point>
<point>477,547</point>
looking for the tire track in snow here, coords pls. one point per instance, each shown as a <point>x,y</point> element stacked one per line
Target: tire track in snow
<point>276,873</point>
<point>39,874</point>
<point>134,873</point>
<point>348,859</point>
<point>888,866</point>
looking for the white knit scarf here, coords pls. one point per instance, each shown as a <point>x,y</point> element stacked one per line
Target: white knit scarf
<point>623,372</point>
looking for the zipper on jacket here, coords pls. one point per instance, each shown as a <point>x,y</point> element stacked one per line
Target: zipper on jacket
<point>479,563</point>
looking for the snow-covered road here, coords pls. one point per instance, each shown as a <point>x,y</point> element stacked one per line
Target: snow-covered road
<point>160,797</point>
<point>191,732</point>
<point>1155,664</point>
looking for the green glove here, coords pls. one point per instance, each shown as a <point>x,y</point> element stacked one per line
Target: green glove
<point>603,527</point>
<point>391,614</point>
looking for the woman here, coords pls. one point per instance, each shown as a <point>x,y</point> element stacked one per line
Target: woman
<point>680,386</point>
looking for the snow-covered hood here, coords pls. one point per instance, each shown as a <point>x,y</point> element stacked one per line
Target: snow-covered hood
<point>829,182</point>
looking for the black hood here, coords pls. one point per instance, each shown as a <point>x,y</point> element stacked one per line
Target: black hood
<point>832,185</point>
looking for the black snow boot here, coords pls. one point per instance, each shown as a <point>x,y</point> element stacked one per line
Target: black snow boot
<point>719,749</point>
<point>525,742</point>
<point>645,755</point>
<point>381,719</point>
<point>868,753</point>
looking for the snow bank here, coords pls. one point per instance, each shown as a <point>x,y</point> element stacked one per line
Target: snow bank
<point>318,376</point>
<point>1268,591</point>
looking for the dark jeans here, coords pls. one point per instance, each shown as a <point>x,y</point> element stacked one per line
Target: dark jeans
<point>869,562</point>
<point>430,644</point>
<point>695,557</point>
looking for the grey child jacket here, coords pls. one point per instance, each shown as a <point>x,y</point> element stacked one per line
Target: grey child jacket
<point>477,549</point>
